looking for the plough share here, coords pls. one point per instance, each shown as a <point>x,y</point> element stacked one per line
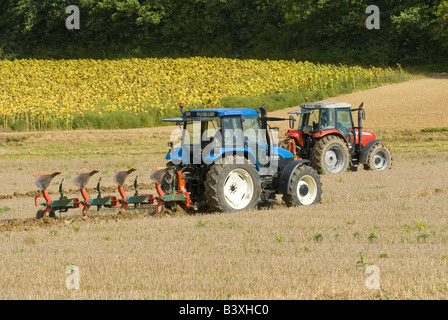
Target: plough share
<point>177,196</point>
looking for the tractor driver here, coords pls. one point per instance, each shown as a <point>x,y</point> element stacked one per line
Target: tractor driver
<point>324,121</point>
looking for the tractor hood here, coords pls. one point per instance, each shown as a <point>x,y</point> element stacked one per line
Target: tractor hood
<point>367,136</point>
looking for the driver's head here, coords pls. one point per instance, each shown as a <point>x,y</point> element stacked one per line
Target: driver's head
<point>324,115</point>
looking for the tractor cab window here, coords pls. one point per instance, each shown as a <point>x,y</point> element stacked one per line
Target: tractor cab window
<point>326,119</point>
<point>200,132</point>
<point>300,120</point>
<point>210,129</point>
<point>311,121</point>
<point>233,133</point>
<point>345,124</point>
<point>251,130</point>
<point>192,133</point>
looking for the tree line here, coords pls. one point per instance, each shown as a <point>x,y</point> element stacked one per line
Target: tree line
<point>412,32</point>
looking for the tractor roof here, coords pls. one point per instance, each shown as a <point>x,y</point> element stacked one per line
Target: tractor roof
<point>208,114</point>
<point>325,105</point>
<point>310,106</point>
<point>227,112</point>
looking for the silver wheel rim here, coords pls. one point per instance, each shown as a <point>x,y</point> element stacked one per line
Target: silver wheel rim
<point>238,189</point>
<point>307,190</point>
<point>380,160</point>
<point>334,159</point>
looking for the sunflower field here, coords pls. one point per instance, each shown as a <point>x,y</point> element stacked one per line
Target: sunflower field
<point>72,94</point>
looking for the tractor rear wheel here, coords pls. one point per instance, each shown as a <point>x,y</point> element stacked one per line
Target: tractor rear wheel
<point>305,188</point>
<point>330,154</point>
<point>379,158</point>
<point>232,186</point>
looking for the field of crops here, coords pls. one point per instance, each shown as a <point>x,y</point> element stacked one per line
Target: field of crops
<point>73,94</point>
<point>394,220</point>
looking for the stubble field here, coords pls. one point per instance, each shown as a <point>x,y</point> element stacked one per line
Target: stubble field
<point>394,220</point>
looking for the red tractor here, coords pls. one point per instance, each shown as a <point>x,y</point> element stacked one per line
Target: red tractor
<point>327,137</point>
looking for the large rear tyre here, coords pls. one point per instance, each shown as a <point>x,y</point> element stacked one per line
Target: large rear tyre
<point>232,186</point>
<point>379,158</point>
<point>305,188</point>
<point>330,155</point>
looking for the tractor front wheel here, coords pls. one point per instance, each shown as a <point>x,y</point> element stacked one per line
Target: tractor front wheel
<point>330,154</point>
<point>379,158</point>
<point>305,188</point>
<point>232,186</point>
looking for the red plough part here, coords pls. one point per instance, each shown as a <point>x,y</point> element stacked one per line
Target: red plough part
<point>178,196</point>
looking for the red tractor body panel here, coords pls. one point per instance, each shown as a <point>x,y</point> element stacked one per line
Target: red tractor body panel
<point>367,136</point>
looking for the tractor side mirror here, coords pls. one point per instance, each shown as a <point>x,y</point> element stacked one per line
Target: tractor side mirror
<point>292,121</point>
<point>363,115</point>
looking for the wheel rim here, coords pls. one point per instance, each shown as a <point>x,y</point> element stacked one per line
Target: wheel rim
<point>238,189</point>
<point>307,190</point>
<point>334,159</point>
<point>380,160</point>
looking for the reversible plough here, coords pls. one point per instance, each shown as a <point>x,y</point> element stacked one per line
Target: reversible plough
<point>177,196</point>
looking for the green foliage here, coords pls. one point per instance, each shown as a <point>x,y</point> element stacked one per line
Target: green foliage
<point>372,237</point>
<point>361,263</point>
<point>318,237</point>
<point>411,31</point>
<point>200,224</point>
<point>5,209</point>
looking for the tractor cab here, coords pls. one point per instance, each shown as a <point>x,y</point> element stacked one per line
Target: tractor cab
<point>208,135</point>
<point>319,119</point>
<point>327,136</point>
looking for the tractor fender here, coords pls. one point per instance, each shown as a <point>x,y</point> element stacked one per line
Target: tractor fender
<point>328,132</point>
<point>366,150</point>
<point>285,176</point>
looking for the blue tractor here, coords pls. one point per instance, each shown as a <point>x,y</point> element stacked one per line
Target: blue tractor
<point>228,160</point>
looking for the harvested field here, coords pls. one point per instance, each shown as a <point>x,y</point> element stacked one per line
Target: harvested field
<point>395,220</point>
